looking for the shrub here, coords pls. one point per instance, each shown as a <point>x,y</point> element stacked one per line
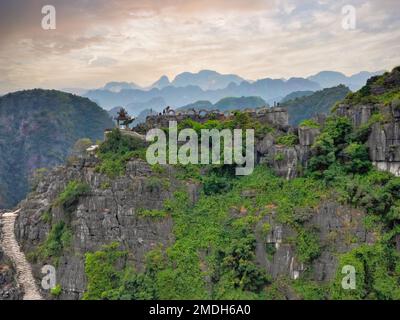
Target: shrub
<point>239,259</point>
<point>117,143</point>
<point>307,245</point>
<point>154,184</point>
<point>57,240</point>
<point>396,104</point>
<point>112,167</point>
<point>152,213</point>
<point>288,140</point>
<point>116,150</point>
<point>215,184</point>
<point>356,158</point>
<point>71,193</point>
<point>376,274</point>
<point>46,217</point>
<point>279,156</point>
<point>309,123</point>
<point>157,168</point>
<point>56,291</point>
<point>105,185</point>
<point>101,270</point>
<point>338,128</point>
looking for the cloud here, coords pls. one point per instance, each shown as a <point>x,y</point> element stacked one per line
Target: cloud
<point>97,41</point>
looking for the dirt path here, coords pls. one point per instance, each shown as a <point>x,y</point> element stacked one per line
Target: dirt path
<point>11,248</point>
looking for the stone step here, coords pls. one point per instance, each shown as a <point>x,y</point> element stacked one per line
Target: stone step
<point>11,248</point>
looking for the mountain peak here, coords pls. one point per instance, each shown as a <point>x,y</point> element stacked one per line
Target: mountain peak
<point>206,79</point>
<point>161,83</point>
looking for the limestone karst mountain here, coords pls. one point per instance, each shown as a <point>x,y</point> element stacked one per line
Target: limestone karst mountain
<point>328,79</point>
<point>319,102</point>
<point>118,228</point>
<point>323,195</point>
<point>161,83</point>
<point>37,130</point>
<point>207,85</point>
<point>228,103</point>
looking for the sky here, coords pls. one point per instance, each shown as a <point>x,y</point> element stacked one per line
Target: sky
<point>97,41</point>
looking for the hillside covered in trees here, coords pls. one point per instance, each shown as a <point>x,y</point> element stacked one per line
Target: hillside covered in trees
<point>321,102</point>
<point>119,228</point>
<point>37,130</point>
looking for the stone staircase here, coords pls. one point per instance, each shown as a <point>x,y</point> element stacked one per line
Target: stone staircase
<point>11,248</point>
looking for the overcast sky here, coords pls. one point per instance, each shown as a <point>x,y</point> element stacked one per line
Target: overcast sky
<point>96,41</point>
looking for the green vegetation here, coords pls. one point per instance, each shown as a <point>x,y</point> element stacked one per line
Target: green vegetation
<point>152,213</point>
<point>320,102</point>
<point>341,161</point>
<point>307,245</point>
<point>228,103</point>
<point>379,89</point>
<point>235,103</point>
<point>51,122</point>
<point>296,95</point>
<point>377,273</point>
<point>309,290</point>
<point>279,156</point>
<point>46,217</point>
<point>56,291</point>
<point>309,123</point>
<point>58,239</point>
<point>240,120</point>
<point>102,273</point>
<point>288,140</point>
<point>71,193</point>
<point>111,276</point>
<point>116,150</point>
<point>105,185</point>
<point>214,252</point>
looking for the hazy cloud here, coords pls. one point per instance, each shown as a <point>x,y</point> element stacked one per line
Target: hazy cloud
<point>98,40</point>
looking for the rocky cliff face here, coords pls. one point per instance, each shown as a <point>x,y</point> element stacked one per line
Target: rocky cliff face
<point>110,212</point>
<point>379,98</point>
<point>339,229</point>
<point>9,289</point>
<point>128,209</point>
<point>287,161</point>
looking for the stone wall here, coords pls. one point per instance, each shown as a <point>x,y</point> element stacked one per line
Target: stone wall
<point>277,117</point>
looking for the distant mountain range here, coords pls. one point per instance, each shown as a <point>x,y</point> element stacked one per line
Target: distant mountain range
<point>319,102</point>
<point>206,80</point>
<point>329,79</point>
<point>135,108</point>
<point>229,103</point>
<point>212,86</point>
<point>296,94</point>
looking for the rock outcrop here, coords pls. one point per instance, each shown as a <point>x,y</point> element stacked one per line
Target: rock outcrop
<point>9,289</point>
<point>110,212</point>
<point>339,229</point>
<point>11,248</point>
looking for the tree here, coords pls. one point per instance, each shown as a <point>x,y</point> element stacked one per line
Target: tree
<point>79,148</point>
